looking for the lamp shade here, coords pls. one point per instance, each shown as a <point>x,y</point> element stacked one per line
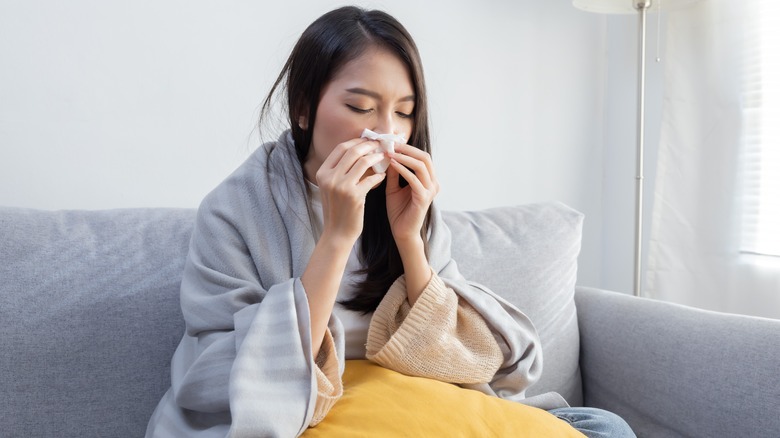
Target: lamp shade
<point>627,6</point>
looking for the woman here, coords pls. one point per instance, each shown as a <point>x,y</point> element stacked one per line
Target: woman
<point>306,256</point>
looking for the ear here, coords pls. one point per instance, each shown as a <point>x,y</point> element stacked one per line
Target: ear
<point>303,123</point>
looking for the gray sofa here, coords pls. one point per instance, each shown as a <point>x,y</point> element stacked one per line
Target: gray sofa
<point>89,319</point>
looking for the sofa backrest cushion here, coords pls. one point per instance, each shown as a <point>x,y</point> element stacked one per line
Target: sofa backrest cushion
<point>528,255</point>
<point>90,316</point>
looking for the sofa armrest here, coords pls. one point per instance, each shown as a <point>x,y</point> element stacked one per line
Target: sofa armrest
<point>672,370</point>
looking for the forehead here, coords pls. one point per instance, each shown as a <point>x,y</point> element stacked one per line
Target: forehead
<point>378,70</point>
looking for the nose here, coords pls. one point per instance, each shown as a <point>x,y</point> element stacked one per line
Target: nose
<point>385,124</point>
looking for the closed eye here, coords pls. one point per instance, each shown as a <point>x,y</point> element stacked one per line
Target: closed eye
<point>358,110</point>
<point>403,115</point>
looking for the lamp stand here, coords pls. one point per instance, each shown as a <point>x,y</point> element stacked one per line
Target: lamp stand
<point>641,6</point>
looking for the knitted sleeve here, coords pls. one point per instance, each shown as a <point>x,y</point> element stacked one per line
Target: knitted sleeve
<point>441,337</point>
<point>329,386</point>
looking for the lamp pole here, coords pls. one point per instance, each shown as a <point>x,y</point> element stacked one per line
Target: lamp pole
<point>641,6</point>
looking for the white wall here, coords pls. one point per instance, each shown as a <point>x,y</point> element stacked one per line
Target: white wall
<point>145,104</point>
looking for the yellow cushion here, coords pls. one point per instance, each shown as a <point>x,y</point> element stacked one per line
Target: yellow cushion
<point>378,402</point>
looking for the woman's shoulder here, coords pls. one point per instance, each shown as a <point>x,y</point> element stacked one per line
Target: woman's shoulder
<point>266,162</point>
<point>271,166</point>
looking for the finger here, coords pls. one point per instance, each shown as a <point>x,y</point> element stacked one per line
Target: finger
<point>409,176</point>
<point>363,164</point>
<point>369,182</point>
<point>415,152</point>
<point>419,168</point>
<point>354,154</point>
<point>340,150</point>
<point>420,155</point>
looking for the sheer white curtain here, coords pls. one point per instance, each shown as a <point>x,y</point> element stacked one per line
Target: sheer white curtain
<point>716,142</point>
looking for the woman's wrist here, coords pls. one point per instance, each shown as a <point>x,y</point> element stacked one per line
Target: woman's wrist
<point>417,271</point>
<point>335,241</point>
<point>409,244</point>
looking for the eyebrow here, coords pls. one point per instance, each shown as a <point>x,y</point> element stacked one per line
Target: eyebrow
<point>376,95</point>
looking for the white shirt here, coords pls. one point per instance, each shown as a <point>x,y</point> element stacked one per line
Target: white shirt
<point>355,323</point>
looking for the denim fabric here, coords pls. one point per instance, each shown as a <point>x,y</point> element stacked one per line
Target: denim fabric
<point>595,423</point>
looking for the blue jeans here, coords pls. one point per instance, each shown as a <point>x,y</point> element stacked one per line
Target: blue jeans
<point>595,423</point>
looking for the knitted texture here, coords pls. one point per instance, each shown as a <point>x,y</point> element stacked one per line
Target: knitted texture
<point>441,337</point>
<point>329,386</point>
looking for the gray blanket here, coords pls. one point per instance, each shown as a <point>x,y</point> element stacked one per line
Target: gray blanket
<point>244,367</point>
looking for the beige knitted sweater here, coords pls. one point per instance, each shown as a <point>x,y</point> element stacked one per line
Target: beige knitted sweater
<point>441,337</point>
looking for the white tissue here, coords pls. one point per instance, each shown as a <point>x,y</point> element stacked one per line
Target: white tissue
<point>386,144</point>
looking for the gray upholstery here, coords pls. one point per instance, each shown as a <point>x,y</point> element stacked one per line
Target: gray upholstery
<point>90,313</point>
<point>89,318</point>
<point>672,371</point>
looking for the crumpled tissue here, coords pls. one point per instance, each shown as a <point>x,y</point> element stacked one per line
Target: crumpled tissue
<point>386,144</point>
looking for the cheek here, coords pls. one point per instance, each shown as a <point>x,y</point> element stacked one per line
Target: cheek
<point>322,139</point>
<point>407,129</point>
<point>332,128</point>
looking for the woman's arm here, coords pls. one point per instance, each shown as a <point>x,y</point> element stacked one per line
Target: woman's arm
<point>343,187</point>
<point>321,280</point>
<point>421,327</point>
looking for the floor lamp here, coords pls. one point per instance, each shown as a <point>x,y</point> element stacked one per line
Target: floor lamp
<point>640,7</point>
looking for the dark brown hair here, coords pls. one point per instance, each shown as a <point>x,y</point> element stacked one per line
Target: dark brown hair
<point>328,44</point>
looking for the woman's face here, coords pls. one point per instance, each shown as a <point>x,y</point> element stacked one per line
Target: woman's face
<point>373,91</point>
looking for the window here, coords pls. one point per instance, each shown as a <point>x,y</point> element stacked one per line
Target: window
<point>761,160</point>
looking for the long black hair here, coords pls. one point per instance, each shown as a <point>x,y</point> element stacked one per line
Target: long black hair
<point>326,46</point>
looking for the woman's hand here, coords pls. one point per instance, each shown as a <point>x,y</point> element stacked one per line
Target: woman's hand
<point>406,210</point>
<point>344,186</point>
<point>407,206</point>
